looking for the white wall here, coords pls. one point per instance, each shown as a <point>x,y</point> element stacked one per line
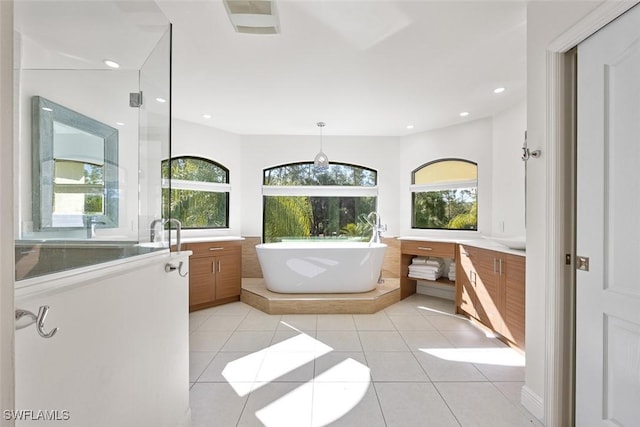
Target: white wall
<point>121,354</point>
<point>260,152</point>
<point>470,141</point>
<point>508,172</point>
<point>487,141</point>
<point>103,96</point>
<point>546,20</point>
<point>191,139</point>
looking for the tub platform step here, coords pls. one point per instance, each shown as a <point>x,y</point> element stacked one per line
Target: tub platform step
<point>255,293</point>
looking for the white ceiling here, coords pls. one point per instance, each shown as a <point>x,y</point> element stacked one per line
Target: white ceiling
<point>365,67</point>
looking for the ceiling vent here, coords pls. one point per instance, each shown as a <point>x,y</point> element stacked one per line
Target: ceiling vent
<point>253,17</point>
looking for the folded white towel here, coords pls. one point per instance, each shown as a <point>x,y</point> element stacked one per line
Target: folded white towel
<point>424,276</point>
<point>424,269</point>
<point>419,260</point>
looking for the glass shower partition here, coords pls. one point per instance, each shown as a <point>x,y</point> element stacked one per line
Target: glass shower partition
<point>155,143</point>
<point>91,138</point>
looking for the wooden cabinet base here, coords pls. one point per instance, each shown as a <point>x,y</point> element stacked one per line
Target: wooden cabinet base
<point>215,273</point>
<point>491,291</point>
<point>209,304</point>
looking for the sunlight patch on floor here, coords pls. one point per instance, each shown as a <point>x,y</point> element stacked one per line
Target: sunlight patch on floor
<point>264,366</point>
<point>329,394</point>
<point>488,356</point>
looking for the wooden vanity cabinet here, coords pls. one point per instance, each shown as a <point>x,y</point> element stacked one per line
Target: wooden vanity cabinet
<point>515,277</point>
<point>412,248</point>
<point>215,273</point>
<point>491,289</point>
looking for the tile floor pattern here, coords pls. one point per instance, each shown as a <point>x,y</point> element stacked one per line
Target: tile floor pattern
<point>414,364</point>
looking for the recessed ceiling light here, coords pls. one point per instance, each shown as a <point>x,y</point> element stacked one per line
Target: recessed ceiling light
<point>498,90</point>
<point>110,63</point>
<point>206,116</point>
<point>409,126</point>
<point>120,123</point>
<point>464,114</point>
<point>161,100</point>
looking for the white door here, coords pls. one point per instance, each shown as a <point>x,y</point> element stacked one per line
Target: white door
<point>608,226</point>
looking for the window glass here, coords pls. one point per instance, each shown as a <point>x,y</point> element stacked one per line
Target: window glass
<point>445,195</point>
<point>199,196</point>
<point>304,202</point>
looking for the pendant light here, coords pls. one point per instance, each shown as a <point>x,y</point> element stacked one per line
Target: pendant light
<point>321,161</point>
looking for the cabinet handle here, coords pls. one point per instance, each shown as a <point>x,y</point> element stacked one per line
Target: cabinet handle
<point>500,264</point>
<point>219,266</point>
<point>424,248</point>
<point>216,249</point>
<point>495,269</point>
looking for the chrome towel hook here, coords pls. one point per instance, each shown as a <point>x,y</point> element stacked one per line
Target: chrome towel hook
<point>168,267</point>
<point>38,320</point>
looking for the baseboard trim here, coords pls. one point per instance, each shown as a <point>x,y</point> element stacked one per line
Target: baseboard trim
<point>532,402</point>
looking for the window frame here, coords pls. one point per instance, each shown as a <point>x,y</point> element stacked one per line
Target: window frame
<point>423,188</point>
<point>203,186</point>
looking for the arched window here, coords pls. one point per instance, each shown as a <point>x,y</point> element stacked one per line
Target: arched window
<point>444,195</point>
<point>301,201</point>
<point>199,195</point>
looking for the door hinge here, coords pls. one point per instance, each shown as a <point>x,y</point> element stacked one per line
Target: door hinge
<point>582,263</point>
<point>135,99</point>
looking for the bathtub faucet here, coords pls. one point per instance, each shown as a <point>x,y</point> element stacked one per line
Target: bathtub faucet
<point>162,222</point>
<point>376,227</point>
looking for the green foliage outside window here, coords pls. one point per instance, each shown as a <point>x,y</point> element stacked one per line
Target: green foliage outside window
<point>446,209</point>
<point>295,217</point>
<point>196,208</point>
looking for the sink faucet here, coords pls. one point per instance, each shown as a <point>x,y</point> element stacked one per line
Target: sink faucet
<point>178,224</point>
<point>91,226</point>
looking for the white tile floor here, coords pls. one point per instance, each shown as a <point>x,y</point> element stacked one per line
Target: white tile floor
<point>413,364</point>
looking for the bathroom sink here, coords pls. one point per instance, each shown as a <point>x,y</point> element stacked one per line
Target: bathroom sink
<point>512,242</point>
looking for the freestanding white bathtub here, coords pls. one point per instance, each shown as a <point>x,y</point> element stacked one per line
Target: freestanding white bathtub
<point>321,267</point>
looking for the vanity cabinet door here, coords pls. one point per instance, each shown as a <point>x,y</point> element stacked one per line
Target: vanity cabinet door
<point>465,278</point>
<point>201,281</point>
<point>514,312</point>
<point>228,276</point>
<point>489,288</point>
<point>215,274</point>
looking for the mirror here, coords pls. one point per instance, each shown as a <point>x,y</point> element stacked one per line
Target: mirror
<point>75,169</point>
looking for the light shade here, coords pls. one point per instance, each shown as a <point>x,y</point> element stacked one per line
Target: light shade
<point>321,161</point>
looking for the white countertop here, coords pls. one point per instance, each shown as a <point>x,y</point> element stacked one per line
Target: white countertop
<point>479,242</point>
<point>196,239</point>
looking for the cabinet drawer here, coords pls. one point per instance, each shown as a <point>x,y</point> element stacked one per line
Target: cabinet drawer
<point>427,248</point>
<point>201,249</point>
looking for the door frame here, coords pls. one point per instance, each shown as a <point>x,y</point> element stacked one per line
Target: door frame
<point>560,236</point>
<point>7,209</point>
